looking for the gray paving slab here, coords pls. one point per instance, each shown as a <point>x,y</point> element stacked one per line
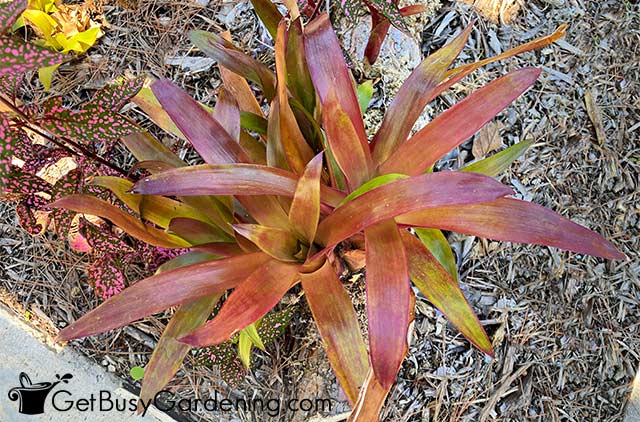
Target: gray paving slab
<point>28,382</point>
<point>632,413</point>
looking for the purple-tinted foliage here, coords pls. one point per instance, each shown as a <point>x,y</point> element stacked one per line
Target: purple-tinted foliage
<point>66,185</point>
<point>102,240</point>
<point>106,277</point>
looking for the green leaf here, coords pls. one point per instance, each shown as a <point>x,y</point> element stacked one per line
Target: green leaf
<point>437,285</point>
<point>253,122</point>
<point>45,74</point>
<point>364,92</point>
<point>372,184</point>
<point>244,349</point>
<point>439,247</point>
<point>497,163</point>
<point>137,373</point>
<point>252,332</point>
<point>269,15</point>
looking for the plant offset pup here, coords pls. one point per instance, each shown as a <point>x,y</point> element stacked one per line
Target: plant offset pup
<point>292,185</point>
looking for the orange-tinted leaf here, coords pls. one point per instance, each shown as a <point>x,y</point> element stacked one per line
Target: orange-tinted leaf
<point>396,198</point>
<point>305,208</point>
<point>278,243</point>
<point>370,401</point>
<point>414,94</point>
<point>294,146</point>
<point>513,220</point>
<point>227,113</point>
<point>352,155</point>
<point>458,123</point>
<point>531,45</point>
<point>145,147</point>
<point>338,325</point>
<point>388,298</point>
<point>207,136</point>
<point>437,285</point>
<point>87,204</point>
<point>163,290</point>
<point>251,300</point>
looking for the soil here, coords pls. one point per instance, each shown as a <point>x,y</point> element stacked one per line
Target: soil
<point>565,327</point>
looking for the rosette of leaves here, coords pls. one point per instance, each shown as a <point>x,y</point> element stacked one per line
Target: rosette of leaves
<point>280,191</point>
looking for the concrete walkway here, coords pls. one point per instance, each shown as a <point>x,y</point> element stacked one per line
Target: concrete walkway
<point>633,406</point>
<point>90,395</point>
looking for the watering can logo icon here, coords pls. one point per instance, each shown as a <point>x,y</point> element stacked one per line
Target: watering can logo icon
<point>31,396</point>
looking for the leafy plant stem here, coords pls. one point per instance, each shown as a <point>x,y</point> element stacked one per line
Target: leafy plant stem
<point>81,150</point>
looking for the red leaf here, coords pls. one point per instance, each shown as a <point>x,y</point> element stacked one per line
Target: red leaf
<point>458,123</point>
<point>207,136</point>
<point>388,298</point>
<point>329,70</point>
<point>397,198</point>
<point>414,94</point>
<point>91,205</point>
<point>161,291</point>
<point>252,299</point>
<point>512,220</point>
<point>338,325</point>
<point>237,179</point>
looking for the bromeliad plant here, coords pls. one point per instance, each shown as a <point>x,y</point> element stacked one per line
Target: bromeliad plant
<point>279,192</point>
